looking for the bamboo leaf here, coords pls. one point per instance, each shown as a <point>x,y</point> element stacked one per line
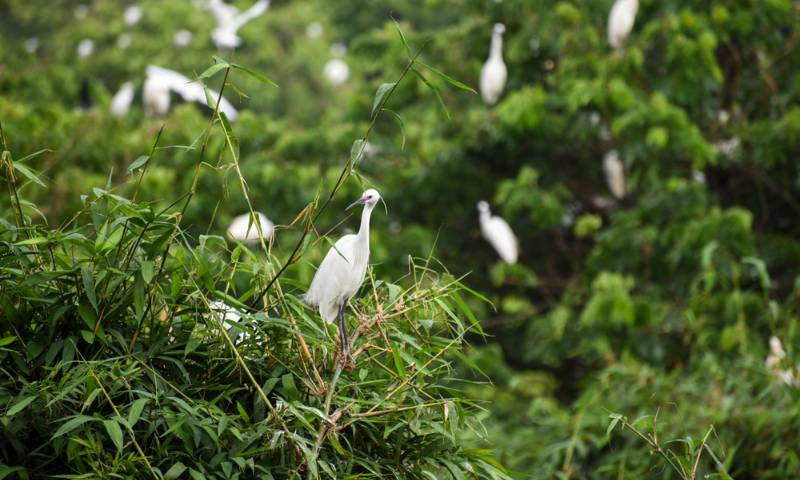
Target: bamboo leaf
<point>380,96</point>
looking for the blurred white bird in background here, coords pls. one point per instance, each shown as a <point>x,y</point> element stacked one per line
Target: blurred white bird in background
<point>498,233</point>
<point>124,41</point>
<point>494,73</point>
<point>342,271</point>
<point>132,15</point>
<point>182,38</point>
<point>121,101</point>
<point>161,81</point>
<point>85,48</point>
<point>774,362</point>
<point>31,45</point>
<point>620,22</point>
<point>244,229</point>
<point>614,172</point>
<point>336,70</point>
<point>314,30</point>
<point>229,21</point>
<point>81,12</point>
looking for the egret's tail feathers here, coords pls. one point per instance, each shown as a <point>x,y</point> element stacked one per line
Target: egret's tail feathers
<point>328,312</point>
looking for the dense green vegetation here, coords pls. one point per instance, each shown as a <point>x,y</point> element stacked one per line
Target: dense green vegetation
<point>628,342</point>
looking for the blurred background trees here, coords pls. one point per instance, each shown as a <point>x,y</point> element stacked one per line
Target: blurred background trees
<point>661,301</point>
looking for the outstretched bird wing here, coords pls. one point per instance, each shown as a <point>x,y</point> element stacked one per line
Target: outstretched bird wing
<point>255,11</point>
<point>190,91</point>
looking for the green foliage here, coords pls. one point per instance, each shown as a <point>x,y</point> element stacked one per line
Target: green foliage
<point>663,301</point>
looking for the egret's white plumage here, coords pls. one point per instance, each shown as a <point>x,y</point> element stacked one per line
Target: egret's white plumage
<point>244,229</point>
<point>336,70</point>
<point>620,22</point>
<point>494,73</point>
<point>314,30</point>
<point>231,318</point>
<point>229,21</point>
<point>124,41</point>
<point>342,271</point>
<point>161,81</point>
<point>498,233</point>
<point>132,15</point>
<point>614,172</point>
<point>85,48</point>
<point>182,38</point>
<point>31,45</point>
<point>121,101</point>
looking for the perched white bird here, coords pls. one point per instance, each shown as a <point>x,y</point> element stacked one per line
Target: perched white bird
<point>182,38</point>
<point>342,271</point>
<point>229,21</point>
<point>620,22</point>
<point>31,45</point>
<point>121,101</point>
<point>314,30</point>
<point>494,73</point>
<point>244,229</point>
<point>614,171</point>
<point>336,70</point>
<point>124,41</point>
<point>161,81</point>
<point>497,232</point>
<point>132,15</point>
<point>85,48</point>
<point>230,319</point>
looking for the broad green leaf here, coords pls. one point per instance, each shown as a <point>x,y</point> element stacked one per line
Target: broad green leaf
<point>20,406</point>
<point>175,471</point>
<point>380,96</point>
<point>72,424</point>
<point>29,174</point>
<point>138,163</point>
<point>212,70</point>
<point>114,432</point>
<point>88,286</point>
<point>135,411</point>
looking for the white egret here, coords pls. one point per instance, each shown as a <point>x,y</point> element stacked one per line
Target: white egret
<point>229,21</point>
<point>614,171</point>
<point>121,101</point>
<point>132,15</point>
<point>336,70</point>
<point>161,81</point>
<point>124,41</point>
<point>314,30</point>
<point>85,48</point>
<point>774,360</point>
<point>182,38</point>
<point>231,318</point>
<point>244,229</point>
<point>342,271</point>
<point>31,45</point>
<point>497,232</point>
<point>494,73</point>
<point>620,22</point>
<point>81,12</point>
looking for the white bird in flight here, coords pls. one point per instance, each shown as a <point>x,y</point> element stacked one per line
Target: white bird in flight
<point>494,73</point>
<point>244,229</point>
<point>497,232</point>
<point>614,171</point>
<point>229,21</point>
<point>336,70</point>
<point>620,22</point>
<point>121,101</point>
<point>342,271</point>
<point>161,81</point>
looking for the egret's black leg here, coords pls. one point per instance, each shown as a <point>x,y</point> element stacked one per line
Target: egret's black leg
<point>342,332</point>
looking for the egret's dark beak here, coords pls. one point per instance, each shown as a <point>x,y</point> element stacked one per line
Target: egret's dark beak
<point>360,201</point>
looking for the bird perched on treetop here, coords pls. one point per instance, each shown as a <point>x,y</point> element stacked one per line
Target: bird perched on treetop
<point>497,232</point>
<point>494,72</point>
<point>620,22</point>
<point>342,271</point>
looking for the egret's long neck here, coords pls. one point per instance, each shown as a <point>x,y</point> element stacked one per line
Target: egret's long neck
<point>363,231</point>
<point>496,49</point>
